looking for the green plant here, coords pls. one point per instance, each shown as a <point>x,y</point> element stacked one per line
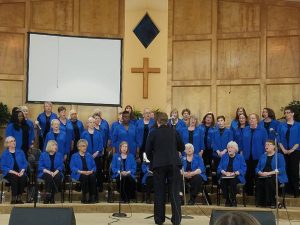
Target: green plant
<point>137,114</point>
<point>295,105</point>
<point>4,114</point>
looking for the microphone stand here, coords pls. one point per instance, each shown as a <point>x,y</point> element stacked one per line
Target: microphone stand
<point>185,216</point>
<point>276,175</point>
<point>119,213</point>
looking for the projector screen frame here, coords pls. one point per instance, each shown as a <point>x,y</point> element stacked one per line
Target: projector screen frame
<point>75,36</point>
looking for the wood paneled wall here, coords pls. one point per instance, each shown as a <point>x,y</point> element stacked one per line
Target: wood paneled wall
<point>96,18</point>
<point>228,53</point>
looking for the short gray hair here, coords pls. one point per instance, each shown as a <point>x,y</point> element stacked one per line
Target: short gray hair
<point>50,144</point>
<point>233,144</point>
<point>189,145</point>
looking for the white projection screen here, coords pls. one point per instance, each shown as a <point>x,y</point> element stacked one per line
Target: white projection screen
<point>78,70</point>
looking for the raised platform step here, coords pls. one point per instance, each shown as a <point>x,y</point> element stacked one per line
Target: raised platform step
<point>291,213</point>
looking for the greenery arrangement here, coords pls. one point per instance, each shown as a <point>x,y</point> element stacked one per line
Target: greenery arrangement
<point>4,114</point>
<point>296,108</point>
<point>138,113</point>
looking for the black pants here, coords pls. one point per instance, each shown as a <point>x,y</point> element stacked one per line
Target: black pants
<point>88,184</point>
<point>172,175</point>
<point>149,185</point>
<point>228,186</point>
<point>127,186</point>
<point>250,176</point>
<point>292,170</point>
<point>17,183</point>
<point>52,184</point>
<point>99,172</point>
<point>265,191</point>
<point>195,185</point>
<point>207,158</point>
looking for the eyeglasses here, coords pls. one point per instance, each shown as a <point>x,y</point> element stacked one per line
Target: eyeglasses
<point>287,112</point>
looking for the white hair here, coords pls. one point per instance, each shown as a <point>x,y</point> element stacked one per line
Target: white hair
<point>55,120</point>
<point>189,145</point>
<point>7,140</point>
<point>234,145</point>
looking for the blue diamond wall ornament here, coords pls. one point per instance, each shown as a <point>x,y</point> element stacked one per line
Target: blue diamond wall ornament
<point>146,30</point>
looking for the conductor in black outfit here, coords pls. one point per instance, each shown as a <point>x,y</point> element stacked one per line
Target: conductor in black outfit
<point>162,148</point>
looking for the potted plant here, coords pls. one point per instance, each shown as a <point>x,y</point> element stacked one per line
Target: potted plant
<point>4,115</point>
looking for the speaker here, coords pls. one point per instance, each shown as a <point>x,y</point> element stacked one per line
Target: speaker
<point>42,216</point>
<point>264,217</point>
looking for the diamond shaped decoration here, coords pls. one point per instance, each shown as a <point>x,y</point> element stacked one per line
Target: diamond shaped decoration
<point>146,31</point>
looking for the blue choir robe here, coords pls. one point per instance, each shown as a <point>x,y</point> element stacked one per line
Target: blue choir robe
<point>239,164</point>
<point>17,134</point>
<point>31,130</point>
<point>79,125</point>
<point>68,129</point>
<point>197,163</point>
<point>198,138</point>
<point>146,172</point>
<point>294,135</point>
<point>282,177</point>
<point>121,134</point>
<point>238,137</point>
<point>140,130</point>
<point>179,125</point>
<point>61,142</point>
<point>7,161</point>
<point>220,141</point>
<point>104,126</point>
<point>42,121</point>
<point>210,135</point>
<point>258,143</point>
<point>76,164</point>
<point>234,124</point>
<point>273,124</point>
<point>45,163</point>
<point>97,141</point>
<point>117,165</point>
<point>112,129</point>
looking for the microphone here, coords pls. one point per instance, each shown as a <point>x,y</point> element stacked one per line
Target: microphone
<point>38,125</point>
<point>272,131</point>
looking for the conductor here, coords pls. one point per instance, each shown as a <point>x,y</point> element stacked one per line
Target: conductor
<point>162,149</point>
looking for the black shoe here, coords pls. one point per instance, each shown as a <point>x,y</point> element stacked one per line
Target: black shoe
<point>191,202</point>
<point>47,199</point>
<point>234,204</point>
<point>19,202</point>
<point>13,202</point>
<point>228,203</point>
<point>83,199</point>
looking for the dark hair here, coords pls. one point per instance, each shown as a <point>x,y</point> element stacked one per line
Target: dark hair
<point>186,110</point>
<point>246,124</point>
<point>132,117</point>
<point>221,117</point>
<point>289,108</point>
<point>61,108</point>
<point>96,114</point>
<point>236,218</point>
<point>162,118</point>
<point>125,112</point>
<point>213,118</point>
<point>15,120</point>
<point>271,113</point>
<point>237,110</point>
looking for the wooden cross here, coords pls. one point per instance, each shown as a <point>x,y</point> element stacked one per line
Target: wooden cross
<point>145,70</point>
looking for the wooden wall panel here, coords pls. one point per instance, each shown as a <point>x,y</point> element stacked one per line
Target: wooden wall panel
<point>229,98</point>
<point>11,53</point>
<point>238,17</point>
<point>239,58</point>
<point>280,95</point>
<point>99,16</point>
<point>283,57</point>
<point>283,18</point>
<point>192,60</point>
<point>11,93</point>
<point>197,99</point>
<point>12,14</point>
<point>43,15</point>
<point>52,15</point>
<point>192,17</point>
